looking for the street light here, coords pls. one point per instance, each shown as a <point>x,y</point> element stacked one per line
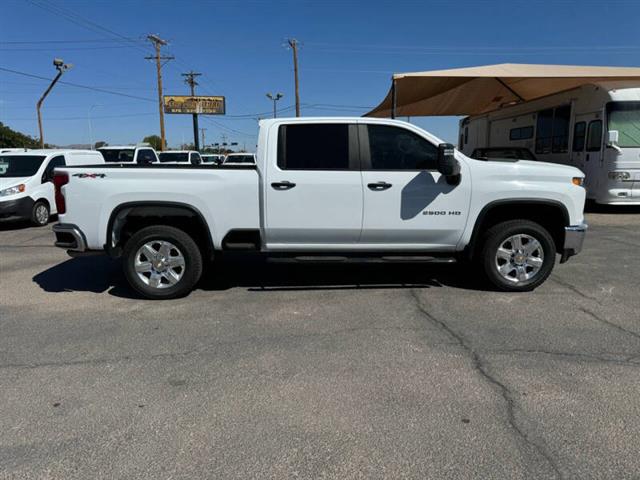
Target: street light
<point>274,98</point>
<point>61,67</point>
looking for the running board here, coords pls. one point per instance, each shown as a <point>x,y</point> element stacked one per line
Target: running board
<point>361,259</point>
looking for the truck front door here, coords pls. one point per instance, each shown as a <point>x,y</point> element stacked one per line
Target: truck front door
<point>407,203</point>
<point>314,191</point>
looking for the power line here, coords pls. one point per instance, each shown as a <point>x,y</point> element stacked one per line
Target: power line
<point>76,85</point>
<point>47,42</point>
<point>85,23</point>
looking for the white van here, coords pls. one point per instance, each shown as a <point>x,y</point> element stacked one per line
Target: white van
<point>26,181</point>
<point>595,128</point>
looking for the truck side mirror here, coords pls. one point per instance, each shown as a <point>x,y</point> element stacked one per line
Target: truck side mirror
<point>447,164</point>
<point>612,137</point>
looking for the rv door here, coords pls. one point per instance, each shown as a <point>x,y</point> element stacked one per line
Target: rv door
<point>586,151</point>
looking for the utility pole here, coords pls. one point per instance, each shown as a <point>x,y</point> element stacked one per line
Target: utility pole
<point>274,98</point>
<point>293,44</point>
<point>202,130</point>
<point>61,67</point>
<point>190,79</point>
<point>157,44</point>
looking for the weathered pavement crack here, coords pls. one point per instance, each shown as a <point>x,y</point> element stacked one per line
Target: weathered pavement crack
<point>480,366</point>
<point>591,313</point>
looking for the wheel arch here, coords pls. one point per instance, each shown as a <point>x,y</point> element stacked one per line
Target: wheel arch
<point>551,214</point>
<point>129,217</point>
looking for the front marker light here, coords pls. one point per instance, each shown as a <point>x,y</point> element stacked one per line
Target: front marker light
<point>619,176</point>
<point>579,181</point>
<point>12,190</point>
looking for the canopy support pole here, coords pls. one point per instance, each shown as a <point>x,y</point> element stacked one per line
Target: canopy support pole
<point>394,97</point>
<point>510,89</point>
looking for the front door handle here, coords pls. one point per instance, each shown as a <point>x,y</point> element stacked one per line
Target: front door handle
<point>379,186</point>
<point>285,185</point>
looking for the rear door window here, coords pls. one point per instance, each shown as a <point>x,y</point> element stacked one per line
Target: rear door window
<point>323,146</point>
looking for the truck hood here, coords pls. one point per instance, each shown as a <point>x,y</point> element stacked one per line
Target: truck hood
<point>531,167</point>
<point>6,182</point>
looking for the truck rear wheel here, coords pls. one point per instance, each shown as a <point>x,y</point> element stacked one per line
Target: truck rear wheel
<point>517,255</point>
<point>162,262</point>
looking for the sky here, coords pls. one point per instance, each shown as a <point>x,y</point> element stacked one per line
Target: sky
<point>349,50</point>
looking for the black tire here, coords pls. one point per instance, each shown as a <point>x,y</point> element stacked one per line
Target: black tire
<point>40,213</point>
<point>496,236</point>
<point>185,246</point>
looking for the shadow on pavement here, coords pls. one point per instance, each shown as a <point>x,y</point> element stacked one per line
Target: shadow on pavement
<point>98,274</point>
<point>6,225</point>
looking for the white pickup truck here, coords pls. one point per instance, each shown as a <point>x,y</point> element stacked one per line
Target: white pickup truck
<point>327,189</point>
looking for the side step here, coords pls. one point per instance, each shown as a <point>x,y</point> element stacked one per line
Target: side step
<point>361,259</point>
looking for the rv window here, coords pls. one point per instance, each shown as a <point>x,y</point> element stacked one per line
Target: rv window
<point>561,129</point>
<point>594,136</point>
<point>544,129</point>
<point>625,118</point>
<point>466,135</point>
<point>579,134</point>
<point>521,133</point>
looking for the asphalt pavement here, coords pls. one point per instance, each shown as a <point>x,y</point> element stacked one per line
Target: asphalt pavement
<point>299,371</point>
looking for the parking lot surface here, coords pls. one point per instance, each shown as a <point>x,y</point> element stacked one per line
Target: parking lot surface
<point>358,371</point>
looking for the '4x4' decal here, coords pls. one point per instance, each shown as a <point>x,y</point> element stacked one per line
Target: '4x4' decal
<point>90,175</point>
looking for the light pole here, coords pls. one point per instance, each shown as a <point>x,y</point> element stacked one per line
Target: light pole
<point>274,98</point>
<point>61,67</point>
<point>89,122</point>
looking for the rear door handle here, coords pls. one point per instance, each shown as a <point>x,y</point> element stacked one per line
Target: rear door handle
<point>283,185</point>
<point>379,186</point>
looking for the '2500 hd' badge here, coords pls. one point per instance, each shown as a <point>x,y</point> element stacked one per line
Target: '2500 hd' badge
<point>89,175</point>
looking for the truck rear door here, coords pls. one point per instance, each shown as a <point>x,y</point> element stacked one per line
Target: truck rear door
<point>314,196</point>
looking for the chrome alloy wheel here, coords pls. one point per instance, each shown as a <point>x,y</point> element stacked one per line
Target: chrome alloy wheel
<point>159,264</point>
<point>519,258</point>
<point>42,214</point>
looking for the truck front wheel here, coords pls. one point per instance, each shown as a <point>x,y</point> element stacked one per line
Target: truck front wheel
<point>162,262</point>
<point>517,255</point>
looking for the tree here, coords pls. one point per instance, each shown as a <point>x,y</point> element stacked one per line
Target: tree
<point>154,140</point>
<point>11,139</point>
<point>100,144</point>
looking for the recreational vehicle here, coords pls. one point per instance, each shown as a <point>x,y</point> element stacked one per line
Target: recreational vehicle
<point>595,127</point>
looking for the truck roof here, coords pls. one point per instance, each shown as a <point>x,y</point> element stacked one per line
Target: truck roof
<point>52,151</point>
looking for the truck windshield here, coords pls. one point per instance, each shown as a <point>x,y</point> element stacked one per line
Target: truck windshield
<point>117,155</point>
<point>181,157</point>
<point>625,118</point>
<point>19,165</point>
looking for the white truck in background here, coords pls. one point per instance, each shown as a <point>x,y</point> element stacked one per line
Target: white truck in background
<point>141,154</point>
<point>595,128</point>
<point>327,189</point>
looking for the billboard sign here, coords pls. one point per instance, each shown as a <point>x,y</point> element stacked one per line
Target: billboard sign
<point>198,104</point>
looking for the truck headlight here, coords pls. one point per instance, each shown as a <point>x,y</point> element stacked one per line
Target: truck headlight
<point>12,190</point>
<point>619,176</point>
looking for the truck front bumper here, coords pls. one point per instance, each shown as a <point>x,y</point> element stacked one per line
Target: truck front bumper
<point>20,208</point>
<point>573,240</point>
<point>70,237</point>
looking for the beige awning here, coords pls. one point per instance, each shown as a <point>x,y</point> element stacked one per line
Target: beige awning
<point>475,90</point>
